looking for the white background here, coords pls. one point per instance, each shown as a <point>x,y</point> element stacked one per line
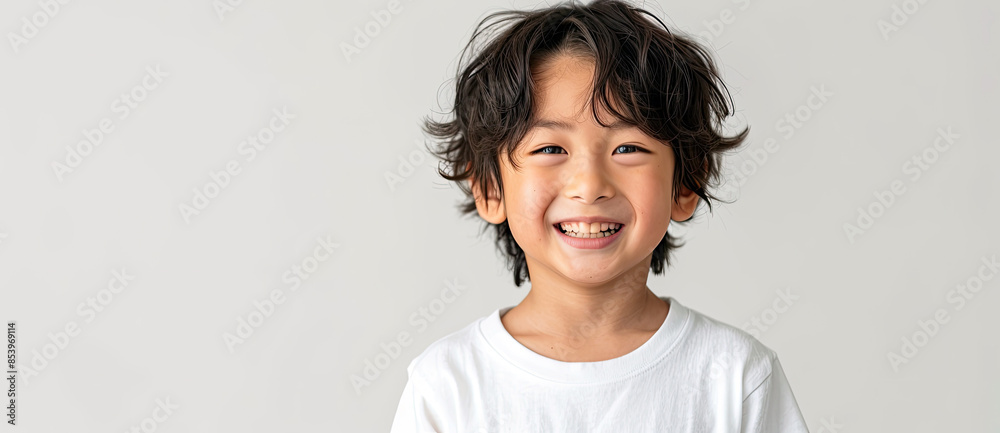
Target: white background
<point>161,338</point>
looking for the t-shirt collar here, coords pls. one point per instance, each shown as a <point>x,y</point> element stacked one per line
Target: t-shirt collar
<point>649,353</point>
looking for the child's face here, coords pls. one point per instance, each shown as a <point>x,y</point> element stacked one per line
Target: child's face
<point>614,174</point>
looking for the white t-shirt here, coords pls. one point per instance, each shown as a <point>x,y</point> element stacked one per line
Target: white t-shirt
<point>695,374</point>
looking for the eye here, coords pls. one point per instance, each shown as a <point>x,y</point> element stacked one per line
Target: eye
<point>631,146</point>
<point>546,147</point>
<point>626,146</point>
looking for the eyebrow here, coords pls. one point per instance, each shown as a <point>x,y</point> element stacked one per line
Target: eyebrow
<point>566,126</point>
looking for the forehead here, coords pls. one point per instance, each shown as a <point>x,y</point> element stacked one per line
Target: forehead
<point>563,89</point>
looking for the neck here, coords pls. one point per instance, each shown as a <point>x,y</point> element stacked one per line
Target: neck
<point>568,310</point>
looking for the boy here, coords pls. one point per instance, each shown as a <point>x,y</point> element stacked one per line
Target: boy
<point>582,131</point>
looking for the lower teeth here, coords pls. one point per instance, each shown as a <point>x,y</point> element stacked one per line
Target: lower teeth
<point>590,235</point>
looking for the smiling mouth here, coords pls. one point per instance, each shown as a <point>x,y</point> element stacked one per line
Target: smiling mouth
<point>601,234</point>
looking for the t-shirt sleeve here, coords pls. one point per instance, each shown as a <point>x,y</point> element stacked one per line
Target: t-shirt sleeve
<point>405,420</point>
<point>409,417</point>
<point>771,407</point>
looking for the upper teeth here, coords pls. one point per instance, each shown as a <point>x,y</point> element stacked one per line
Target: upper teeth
<point>581,227</point>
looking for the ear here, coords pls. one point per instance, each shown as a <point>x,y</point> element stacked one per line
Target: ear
<point>685,204</point>
<point>491,209</point>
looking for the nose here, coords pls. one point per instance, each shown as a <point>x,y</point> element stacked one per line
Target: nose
<point>587,181</point>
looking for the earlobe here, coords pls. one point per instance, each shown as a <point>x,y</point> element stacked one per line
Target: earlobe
<point>491,209</point>
<point>684,205</point>
<point>686,202</point>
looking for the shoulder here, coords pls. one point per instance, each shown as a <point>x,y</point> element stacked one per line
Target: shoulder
<point>729,350</point>
<point>449,353</point>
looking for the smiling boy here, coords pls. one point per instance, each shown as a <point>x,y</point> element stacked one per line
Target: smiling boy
<point>581,133</point>
<point>591,182</point>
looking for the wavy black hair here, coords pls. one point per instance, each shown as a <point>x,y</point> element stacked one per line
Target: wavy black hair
<point>665,83</point>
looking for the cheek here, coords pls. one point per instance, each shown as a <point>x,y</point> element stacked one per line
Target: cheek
<point>654,181</point>
<point>526,216</point>
<point>531,207</point>
<point>653,198</point>
<point>532,200</point>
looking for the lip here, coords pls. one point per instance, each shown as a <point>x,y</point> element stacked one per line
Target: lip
<point>587,244</point>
